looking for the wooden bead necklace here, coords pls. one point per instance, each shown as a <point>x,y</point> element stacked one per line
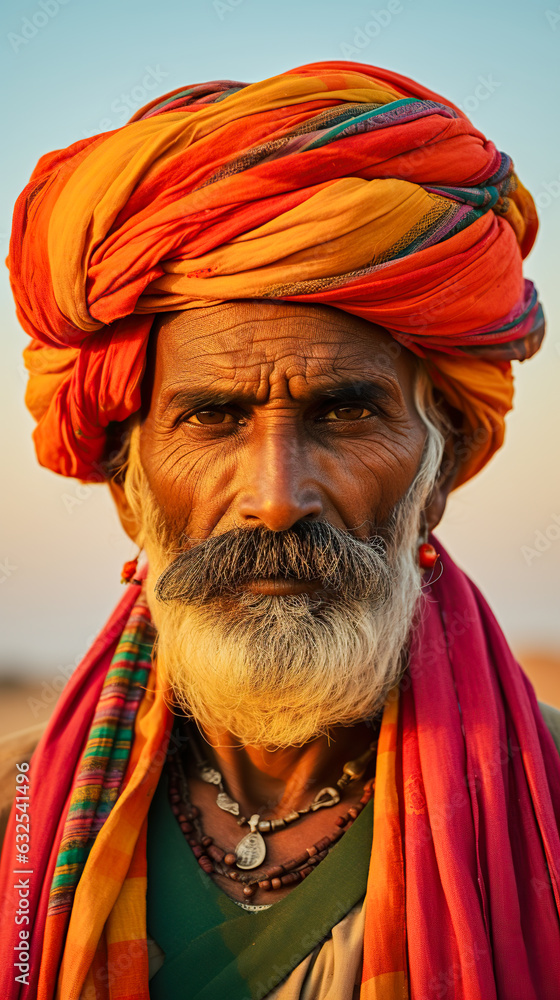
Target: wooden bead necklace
<point>250,853</point>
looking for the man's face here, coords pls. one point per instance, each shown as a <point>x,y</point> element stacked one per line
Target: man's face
<point>274,482</point>
<point>263,414</point>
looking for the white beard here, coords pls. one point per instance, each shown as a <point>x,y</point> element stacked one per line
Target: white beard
<point>282,675</point>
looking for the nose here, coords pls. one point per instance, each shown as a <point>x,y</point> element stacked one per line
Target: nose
<point>277,490</point>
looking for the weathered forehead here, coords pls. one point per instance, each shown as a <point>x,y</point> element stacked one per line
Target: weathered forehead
<point>252,339</point>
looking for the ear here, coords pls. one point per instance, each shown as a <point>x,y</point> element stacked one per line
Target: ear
<point>126,516</point>
<point>435,507</point>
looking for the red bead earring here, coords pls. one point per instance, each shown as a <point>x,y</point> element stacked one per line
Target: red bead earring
<point>427,556</point>
<point>128,571</point>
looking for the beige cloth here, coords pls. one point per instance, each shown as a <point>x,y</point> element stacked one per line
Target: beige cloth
<point>333,970</point>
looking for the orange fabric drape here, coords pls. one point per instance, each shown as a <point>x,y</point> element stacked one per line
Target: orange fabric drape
<point>336,183</point>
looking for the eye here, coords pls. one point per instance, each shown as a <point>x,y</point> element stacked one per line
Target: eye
<point>207,417</point>
<point>348,413</point>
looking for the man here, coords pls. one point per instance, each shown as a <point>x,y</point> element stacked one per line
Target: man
<point>300,761</point>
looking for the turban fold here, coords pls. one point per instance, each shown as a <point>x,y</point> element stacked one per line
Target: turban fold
<point>335,183</point>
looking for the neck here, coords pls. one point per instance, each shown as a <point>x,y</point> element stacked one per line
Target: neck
<point>277,781</point>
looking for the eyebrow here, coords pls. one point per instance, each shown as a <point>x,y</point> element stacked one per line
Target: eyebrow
<point>346,391</point>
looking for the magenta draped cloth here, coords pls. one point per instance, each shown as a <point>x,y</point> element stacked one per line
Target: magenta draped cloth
<point>481,780</point>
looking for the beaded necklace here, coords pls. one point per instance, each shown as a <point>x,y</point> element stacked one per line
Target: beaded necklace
<point>216,861</point>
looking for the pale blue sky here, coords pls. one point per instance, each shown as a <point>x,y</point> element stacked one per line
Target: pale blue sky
<point>81,67</point>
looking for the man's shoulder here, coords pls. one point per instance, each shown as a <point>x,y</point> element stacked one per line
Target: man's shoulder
<point>16,748</point>
<point>551,717</point>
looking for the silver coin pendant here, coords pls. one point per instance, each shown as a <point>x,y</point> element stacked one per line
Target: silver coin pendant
<point>251,850</point>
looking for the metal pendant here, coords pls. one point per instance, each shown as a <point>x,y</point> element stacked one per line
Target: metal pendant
<point>325,798</point>
<point>251,850</point>
<point>228,805</point>
<point>210,775</point>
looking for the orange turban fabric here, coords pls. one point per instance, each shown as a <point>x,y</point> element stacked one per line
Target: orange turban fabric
<point>337,182</point>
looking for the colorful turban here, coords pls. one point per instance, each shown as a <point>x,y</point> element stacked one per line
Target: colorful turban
<point>335,183</point>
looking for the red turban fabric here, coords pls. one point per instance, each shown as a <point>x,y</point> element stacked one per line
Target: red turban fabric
<point>337,183</point>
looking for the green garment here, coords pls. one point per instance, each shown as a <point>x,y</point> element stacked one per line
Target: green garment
<point>551,717</point>
<point>214,949</point>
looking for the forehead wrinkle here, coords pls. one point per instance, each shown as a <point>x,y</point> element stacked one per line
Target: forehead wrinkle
<point>251,329</point>
<point>326,358</point>
<point>194,326</point>
<point>213,359</point>
<point>261,374</point>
